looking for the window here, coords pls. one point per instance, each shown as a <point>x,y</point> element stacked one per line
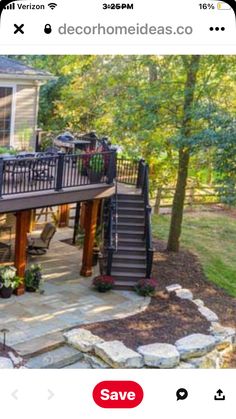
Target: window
<point>6,94</point>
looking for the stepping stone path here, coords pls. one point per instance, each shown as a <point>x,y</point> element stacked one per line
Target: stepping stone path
<point>160,355</point>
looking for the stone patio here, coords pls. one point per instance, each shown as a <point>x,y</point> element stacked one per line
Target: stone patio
<point>68,300</point>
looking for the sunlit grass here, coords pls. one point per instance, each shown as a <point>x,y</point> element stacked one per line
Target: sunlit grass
<point>212,237</point>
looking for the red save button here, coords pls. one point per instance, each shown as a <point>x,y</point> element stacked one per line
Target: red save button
<point>118,394</point>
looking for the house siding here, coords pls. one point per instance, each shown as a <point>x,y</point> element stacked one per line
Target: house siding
<point>25,116</point>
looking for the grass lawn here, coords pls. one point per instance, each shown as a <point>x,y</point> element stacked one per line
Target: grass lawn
<point>212,236</point>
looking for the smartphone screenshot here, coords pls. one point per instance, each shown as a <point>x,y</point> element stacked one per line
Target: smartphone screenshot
<point>117,208</point>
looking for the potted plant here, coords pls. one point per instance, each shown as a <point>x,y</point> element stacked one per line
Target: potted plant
<point>8,281</point>
<point>96,168</point>
<point>146,287</point>
<point>103,283</point>
<point>33,278</point>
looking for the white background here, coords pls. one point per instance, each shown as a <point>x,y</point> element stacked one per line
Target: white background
<point>73,394</point>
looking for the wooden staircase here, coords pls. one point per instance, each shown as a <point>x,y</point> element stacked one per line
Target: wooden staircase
<point>129,259</point>
<point>128,252</point>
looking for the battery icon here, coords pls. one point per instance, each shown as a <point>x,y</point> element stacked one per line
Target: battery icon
<point>223,6</point>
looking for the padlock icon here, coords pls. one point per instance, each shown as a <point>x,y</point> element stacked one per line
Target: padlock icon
<point>48,29</point>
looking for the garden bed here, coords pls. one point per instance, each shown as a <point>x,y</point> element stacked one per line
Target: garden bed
<point>184,268</point>
<point>166,320</point>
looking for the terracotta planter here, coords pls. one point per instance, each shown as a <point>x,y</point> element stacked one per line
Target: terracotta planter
<point>6,292</point>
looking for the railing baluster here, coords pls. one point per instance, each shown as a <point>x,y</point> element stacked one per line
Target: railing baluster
<point>1,176</point>
<point>60,169</point>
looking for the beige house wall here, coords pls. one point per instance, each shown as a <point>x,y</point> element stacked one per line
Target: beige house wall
<point>25,116</point>
<point>24,112</point>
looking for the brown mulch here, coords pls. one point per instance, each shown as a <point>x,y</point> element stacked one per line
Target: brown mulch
<point>184,268</point>
<point>165,320</point>
<point>168,318</point>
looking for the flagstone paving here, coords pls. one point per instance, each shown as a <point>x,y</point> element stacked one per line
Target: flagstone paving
<point>68,300</point>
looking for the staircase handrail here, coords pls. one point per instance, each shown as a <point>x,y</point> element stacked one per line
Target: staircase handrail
<point>112,230</point>
<point>144,183</point>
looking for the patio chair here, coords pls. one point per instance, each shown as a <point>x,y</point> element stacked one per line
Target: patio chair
<point>40,245</point>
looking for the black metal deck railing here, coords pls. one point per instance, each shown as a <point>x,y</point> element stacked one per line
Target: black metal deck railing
<point>143,180</point>
<point>127,171</point>
<point>42,172</point>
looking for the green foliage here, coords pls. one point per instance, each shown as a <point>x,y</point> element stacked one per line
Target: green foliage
<point>138,102</point>
<point>33,277</point>
<point>96,163</point>
<point>212,236</point>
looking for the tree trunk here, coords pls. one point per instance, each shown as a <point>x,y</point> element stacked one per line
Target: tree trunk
<point>184,156</point>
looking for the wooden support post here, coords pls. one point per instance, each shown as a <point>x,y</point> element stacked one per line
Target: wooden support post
<point>22,228</point>
<point>82,215</point>
<point>32,220</point>
<point>90,226</point>
<point>63,218</point>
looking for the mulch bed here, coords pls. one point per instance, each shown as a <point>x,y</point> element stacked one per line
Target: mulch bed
<point>168,318</point>
<point>184,268</point>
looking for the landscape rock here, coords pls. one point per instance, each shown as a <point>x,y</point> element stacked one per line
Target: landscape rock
<point>173,287</point>
<point>6,363</point>
<point>95,362</point>
<point>195,345</point>
<point>211,360</point>
<point>117,355</point>
<point>82,339</point>
<point>208,314</point>
<point>198,302</point>
<point>218,330</point>
<point>184,294</point>
<point>160,355</point>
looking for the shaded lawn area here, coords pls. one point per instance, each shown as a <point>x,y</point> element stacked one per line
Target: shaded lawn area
<point>212,237</point>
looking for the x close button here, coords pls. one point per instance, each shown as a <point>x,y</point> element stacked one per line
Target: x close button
<point>19,28</point>
<point>118,394</point>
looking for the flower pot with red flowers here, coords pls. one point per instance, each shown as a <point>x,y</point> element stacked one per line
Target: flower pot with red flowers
<point>103,283</point>
<point>146,287</point>
<point>8,281</point>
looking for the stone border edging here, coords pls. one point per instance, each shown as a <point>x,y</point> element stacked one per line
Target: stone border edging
<point>192,351</point>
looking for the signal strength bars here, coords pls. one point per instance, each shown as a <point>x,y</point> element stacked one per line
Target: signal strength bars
<point>10,6</point>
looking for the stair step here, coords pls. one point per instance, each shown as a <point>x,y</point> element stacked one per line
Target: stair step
<point>130,204</point>
<point>39,345</point>
<point>136,251</point>
<point>130,242</point>
<point>129,267</point>
<point>124,225</point>
<point>131,210</point>
<point>128,217</point>
<point>133,258</point>
<point>58,358</point>
<point>130,276</point>
<point>138,232</point>
<point>125,285</point>
<point>129,197</point>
